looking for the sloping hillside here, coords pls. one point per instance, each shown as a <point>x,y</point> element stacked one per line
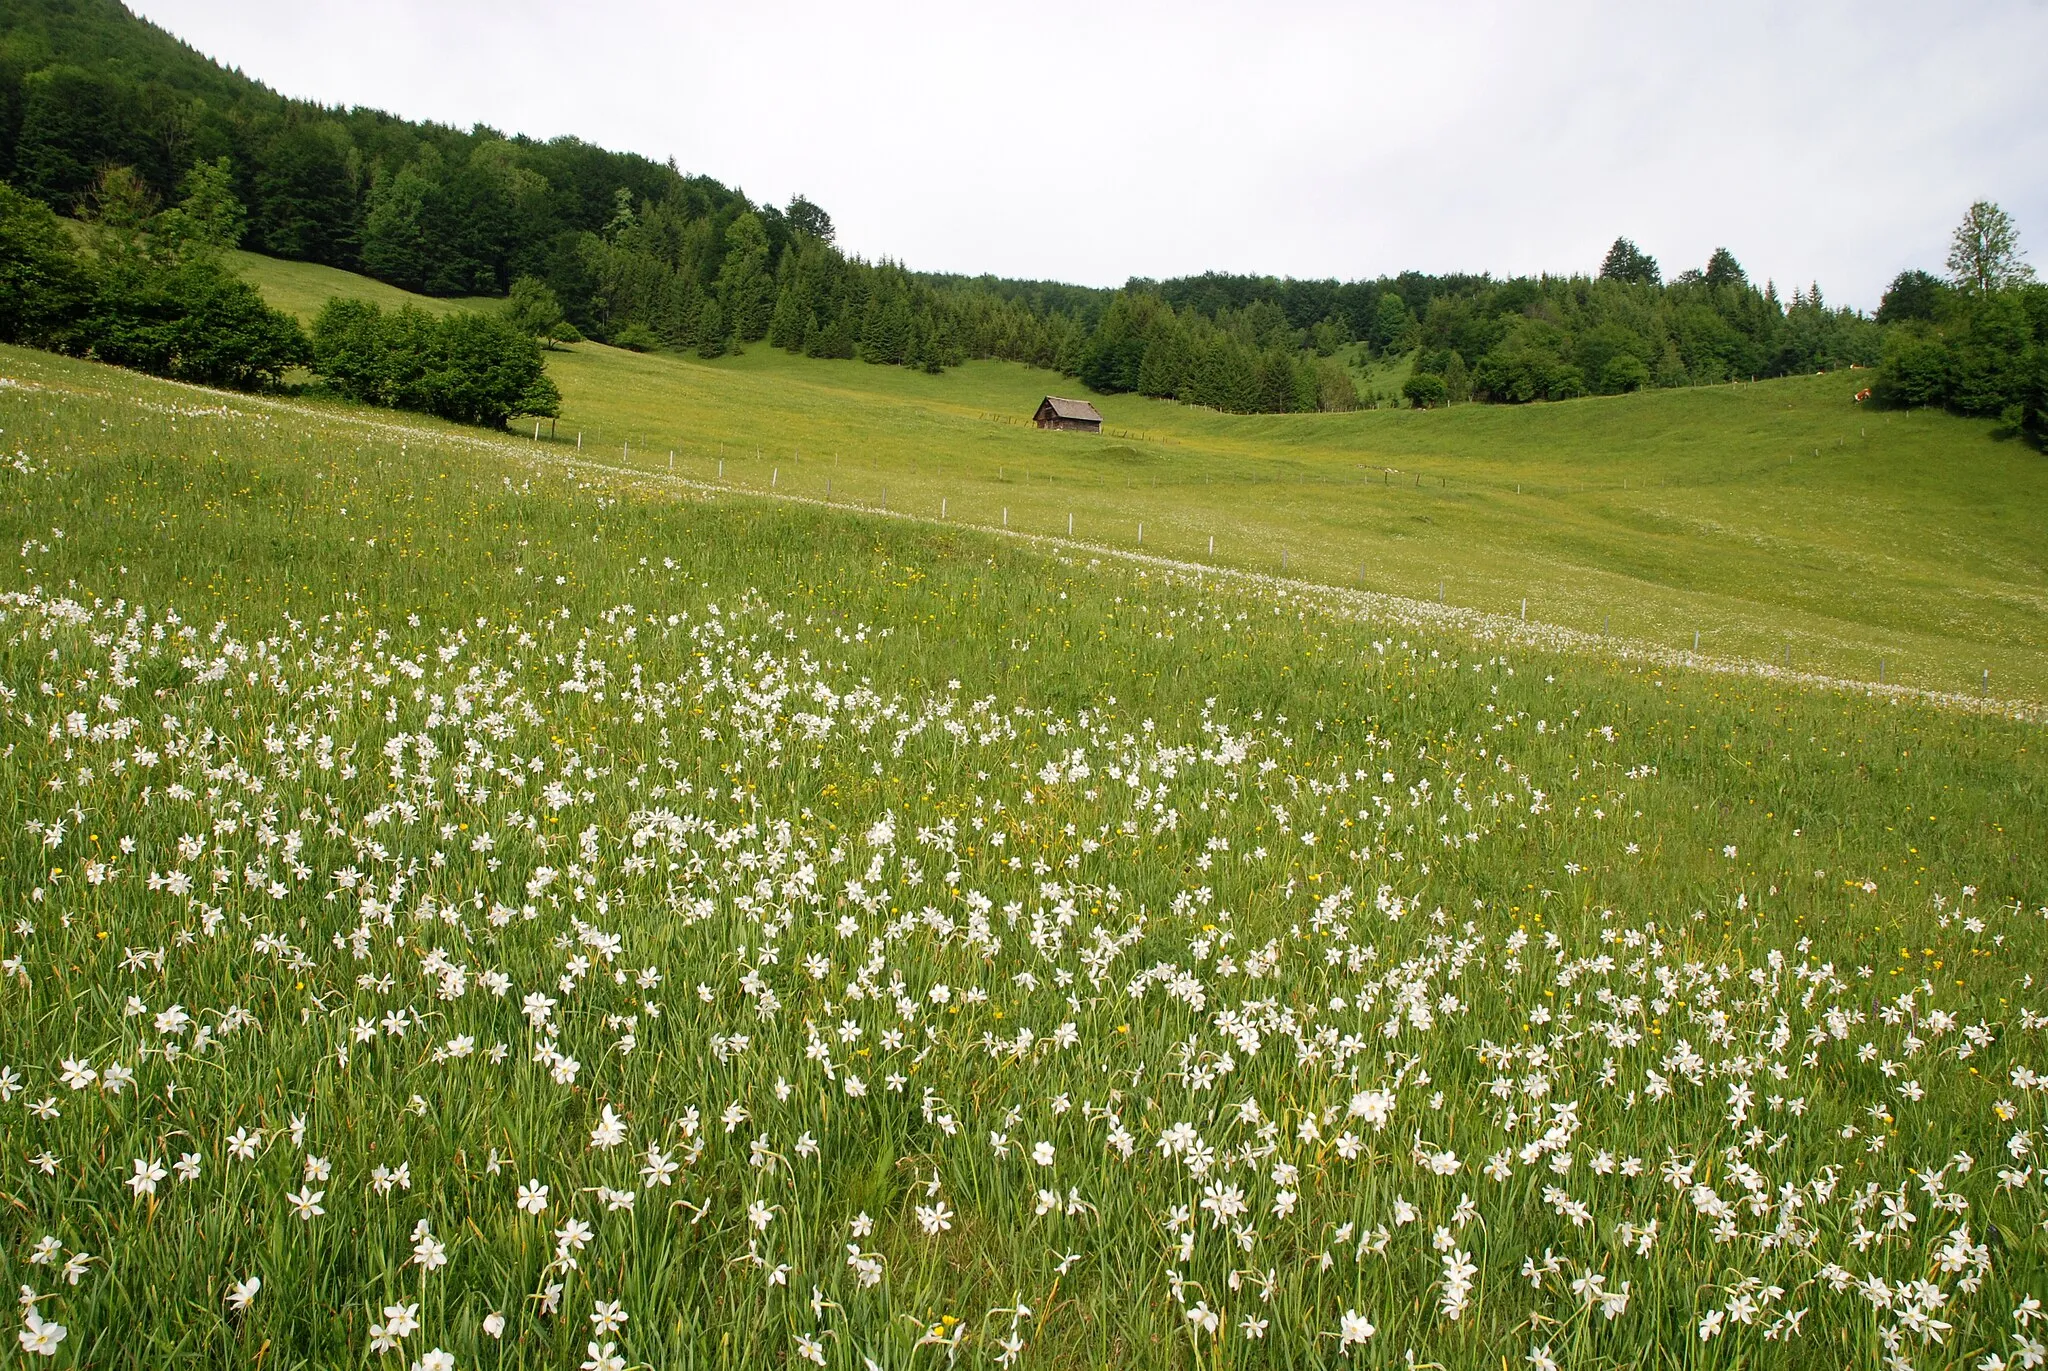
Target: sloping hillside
<point>1778,520</point>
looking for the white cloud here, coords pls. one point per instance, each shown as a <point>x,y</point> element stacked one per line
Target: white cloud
<point>1092,142</point>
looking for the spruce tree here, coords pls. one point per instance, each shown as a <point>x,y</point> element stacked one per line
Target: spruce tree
<point>1627,262</point>
<point>711,334</point>
<point>786,328</point>
<point>745,290</point>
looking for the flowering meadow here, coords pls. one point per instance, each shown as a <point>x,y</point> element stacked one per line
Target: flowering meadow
<point>464,912</point>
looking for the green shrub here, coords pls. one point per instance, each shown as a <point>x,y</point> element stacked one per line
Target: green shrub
<point>160,300</point>
<point>473,368</point>
<point>533,309</point>
<point>636,338</point>
<point>1425,391</point>
<point>1915,371</point>
<point>44,288</point>
<point>1624,372</point>
<point>195,321</point>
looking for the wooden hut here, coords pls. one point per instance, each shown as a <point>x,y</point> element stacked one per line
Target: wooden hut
<point>1079,415</point>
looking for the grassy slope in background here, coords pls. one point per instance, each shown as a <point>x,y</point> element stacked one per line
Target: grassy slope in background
<point>1914,537</point>
<point>1671,512</point>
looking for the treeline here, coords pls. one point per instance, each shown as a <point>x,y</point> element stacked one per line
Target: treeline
<point>1975,342</point>
<point>660,275</point>
<point>1221,339</point>
<point>151,290</point>
<point>85,85</point>
<point>1244,360</point>
<point>636,253</point>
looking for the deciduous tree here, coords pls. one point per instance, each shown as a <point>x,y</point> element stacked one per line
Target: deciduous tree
<point>1984,252</point>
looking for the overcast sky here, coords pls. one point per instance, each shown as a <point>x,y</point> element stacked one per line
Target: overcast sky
<point>1095,142</point>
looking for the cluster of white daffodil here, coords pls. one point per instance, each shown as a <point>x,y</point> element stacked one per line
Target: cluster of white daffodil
<point>573,991</point>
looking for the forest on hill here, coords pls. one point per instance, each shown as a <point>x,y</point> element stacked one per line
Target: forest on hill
<point>635,252</point>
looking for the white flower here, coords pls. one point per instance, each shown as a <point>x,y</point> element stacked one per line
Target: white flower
<point>607,1317</point>
<point>661,1167</point>
<point>242,1294</point>
<point>610,1131</point>
<point>147,1174</point>
<point>604,1358</point>
<point>1353,1329</point>
<point>429,1251</point>
<point>1376,1107</point>
<point>1224,1202</point>
<point>40,1336</point>
<point>533,1197</point>
<point>436,1360</point>
<point>1042,1153</point>
<point>306,1204</point>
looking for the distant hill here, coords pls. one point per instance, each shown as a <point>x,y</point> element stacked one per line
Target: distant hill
<point>85,84</point>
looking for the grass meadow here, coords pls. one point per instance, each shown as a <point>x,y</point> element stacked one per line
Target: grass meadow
<point>301,288</point>
<point>1778,521</point>
<point>467,909</point>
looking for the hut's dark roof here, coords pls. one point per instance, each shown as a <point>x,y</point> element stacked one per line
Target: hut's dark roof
<point>1071,409</point>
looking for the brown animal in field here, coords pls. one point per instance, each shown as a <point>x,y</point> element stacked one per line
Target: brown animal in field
<point>1862,395</point>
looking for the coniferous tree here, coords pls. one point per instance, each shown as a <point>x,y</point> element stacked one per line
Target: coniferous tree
<point>1394,329</point>
<point>786,326</point>
<point>1912,296</point>
<point>396,245</point>
<point>1628,263</point>
<point>746,291</point>
<point>1724,270</point>
<point>713,339</point>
